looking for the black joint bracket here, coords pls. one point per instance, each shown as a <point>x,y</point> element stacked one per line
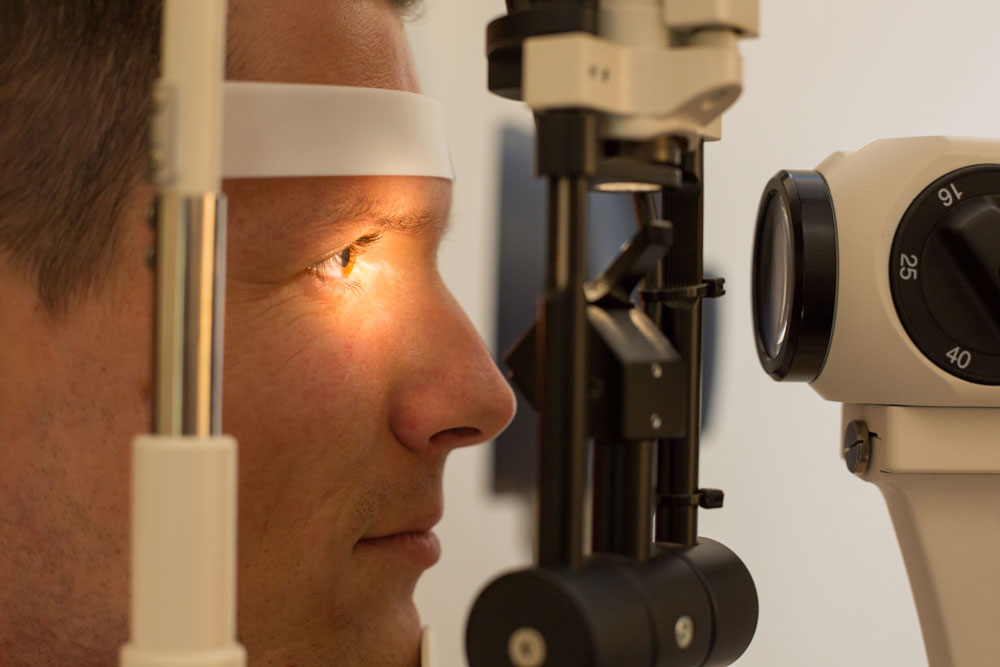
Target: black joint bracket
<point>708,499</point>
<point>711,288</point>
<point>567,142</point>
<point>613,288</point>
<point>711,499</point>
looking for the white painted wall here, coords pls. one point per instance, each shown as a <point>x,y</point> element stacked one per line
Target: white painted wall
<point>824,76</point>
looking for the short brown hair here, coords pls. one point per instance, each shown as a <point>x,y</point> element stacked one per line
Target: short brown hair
<point>75,77</point>
<point>74,80</point>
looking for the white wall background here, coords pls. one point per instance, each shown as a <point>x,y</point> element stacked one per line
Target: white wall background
<point>825,76</point>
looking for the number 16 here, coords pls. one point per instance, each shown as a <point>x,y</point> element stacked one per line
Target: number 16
<point>947,197</point>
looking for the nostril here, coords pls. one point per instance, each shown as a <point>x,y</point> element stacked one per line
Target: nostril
<point>456,436</point>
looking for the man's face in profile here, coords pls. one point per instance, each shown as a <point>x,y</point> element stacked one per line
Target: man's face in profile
<point>350,371</point>
<point>350,374</point>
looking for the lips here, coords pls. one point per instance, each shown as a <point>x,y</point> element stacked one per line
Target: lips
<point>419,549</point>
<point>414,543</point>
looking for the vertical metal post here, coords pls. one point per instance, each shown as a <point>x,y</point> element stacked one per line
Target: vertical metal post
<point>190,297</point>
<point>184,475</point>
<point>677,476</point>
<point>623,475</point>
<point>623,503</point>
<point>186,166</point>
<point>561,378</point>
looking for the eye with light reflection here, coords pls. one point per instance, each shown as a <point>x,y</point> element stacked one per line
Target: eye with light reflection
<point>341,264</point>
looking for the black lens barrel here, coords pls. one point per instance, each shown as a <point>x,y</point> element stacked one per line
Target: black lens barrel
<point>812,275</point>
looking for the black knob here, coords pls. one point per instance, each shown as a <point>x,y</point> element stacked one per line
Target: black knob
<point>962,274</point>
<point>945,273</point>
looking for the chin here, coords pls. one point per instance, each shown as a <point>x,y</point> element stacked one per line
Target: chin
<point>388,636</point>
<point>394,640</point>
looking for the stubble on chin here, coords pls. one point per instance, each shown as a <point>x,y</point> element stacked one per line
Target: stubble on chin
<point>363,643</point>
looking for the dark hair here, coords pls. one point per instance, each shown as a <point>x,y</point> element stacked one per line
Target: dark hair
<point>74,82</point>
<point>75,77</point>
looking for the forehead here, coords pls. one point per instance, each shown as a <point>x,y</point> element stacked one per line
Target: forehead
<point>332,42</point>
<point>336,42</point>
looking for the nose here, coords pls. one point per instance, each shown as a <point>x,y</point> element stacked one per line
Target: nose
<point>450,392</point>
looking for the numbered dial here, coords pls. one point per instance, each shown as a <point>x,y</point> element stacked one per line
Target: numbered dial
<point>945,273</point>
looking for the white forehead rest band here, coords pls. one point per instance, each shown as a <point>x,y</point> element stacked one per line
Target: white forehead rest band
<point>289,129</point>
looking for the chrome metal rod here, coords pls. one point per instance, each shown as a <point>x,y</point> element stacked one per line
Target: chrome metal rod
<point>190,297</point>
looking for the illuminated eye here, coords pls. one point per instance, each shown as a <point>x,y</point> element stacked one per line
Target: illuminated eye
<point>340,265</point>
<point>346,259</point>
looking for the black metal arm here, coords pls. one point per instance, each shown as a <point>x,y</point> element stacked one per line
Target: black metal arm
<point>617,382</point>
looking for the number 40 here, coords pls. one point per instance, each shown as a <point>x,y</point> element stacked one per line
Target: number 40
<point>959,357</point>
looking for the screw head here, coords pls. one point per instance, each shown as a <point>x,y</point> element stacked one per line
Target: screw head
<point>655,421</point>
<point>657,370</point>
<point>526,648</point>
<point>857,446</point>
<point>684,632</point>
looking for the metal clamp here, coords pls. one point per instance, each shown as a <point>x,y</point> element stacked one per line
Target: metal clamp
<point>711,288</point>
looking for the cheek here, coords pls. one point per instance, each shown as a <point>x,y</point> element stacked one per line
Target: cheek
<point>308,375</point>
<point>305,395</point>
<point>319,358</point>
<point>295,361</point>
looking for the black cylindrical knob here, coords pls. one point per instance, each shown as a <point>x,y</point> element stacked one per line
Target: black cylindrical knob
<point>733,597</point>
<point>961,278</point>
<point>944,273</point>
<point>691,607</point>
<point>588,618</point>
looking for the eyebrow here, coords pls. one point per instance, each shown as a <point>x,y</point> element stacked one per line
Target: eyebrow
<point>384,214</point>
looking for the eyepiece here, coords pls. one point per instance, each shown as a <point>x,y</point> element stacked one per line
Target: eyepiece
<point>794,275</point>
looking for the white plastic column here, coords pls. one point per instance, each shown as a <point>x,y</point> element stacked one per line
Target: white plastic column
<point>939,471</point>
<point>188,124</point>
<point>184,484</point>
<point>183,553</point>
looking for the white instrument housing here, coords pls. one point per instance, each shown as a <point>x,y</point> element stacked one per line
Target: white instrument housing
<point>871,358</point>
<point>644,44</point>
<point>934,446</point>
